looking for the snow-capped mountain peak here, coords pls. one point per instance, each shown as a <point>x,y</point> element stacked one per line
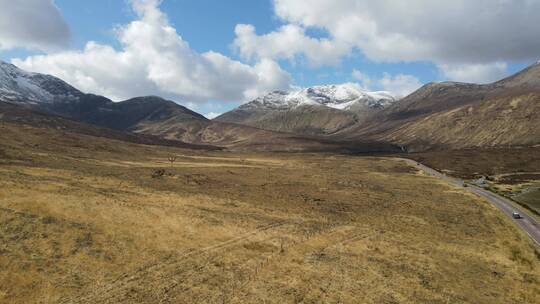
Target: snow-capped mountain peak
<point>280,100</point>
<point>348,96</point>
<point>20,86</point>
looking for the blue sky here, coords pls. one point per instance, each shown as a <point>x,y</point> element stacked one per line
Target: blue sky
<point>209,25</point>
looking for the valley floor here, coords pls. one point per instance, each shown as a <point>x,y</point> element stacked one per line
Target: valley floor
<point>91,220</point>
<point>511,172</point>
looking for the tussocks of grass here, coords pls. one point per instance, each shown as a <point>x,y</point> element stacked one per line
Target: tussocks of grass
<point>85,225</point>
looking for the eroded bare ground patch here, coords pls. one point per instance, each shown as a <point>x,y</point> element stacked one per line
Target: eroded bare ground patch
<point>79,224</point>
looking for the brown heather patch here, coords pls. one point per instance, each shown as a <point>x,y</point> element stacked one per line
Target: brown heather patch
<point>81,224</point>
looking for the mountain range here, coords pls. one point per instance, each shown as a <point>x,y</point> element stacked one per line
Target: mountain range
<point>319,110</point>
<point>454,115</point>
<point>444,115</point>
<point>150,115</point>
<point>45,100</point>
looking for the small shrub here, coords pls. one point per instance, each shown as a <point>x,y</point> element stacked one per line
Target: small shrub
<point>158,173</point>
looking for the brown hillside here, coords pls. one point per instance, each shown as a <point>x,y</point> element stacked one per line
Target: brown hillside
<point>459,115</point>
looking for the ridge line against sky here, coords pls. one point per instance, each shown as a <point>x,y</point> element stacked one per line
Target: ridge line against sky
<point>212,56</point>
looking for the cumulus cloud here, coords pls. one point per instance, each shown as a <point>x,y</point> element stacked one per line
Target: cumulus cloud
<point>400,85</point>
<point>32,24</point>
<point>476,73</point>
<point>447,30</point>
<point>364,79</point>
<point>450,33</point>
<point>286,43</point>
<point>154,59</point>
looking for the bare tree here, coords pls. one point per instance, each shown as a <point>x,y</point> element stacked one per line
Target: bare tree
<point>172,159</point>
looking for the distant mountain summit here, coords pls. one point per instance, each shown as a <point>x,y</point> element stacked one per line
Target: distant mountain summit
<point>342,97</point>
<point>314,111</point>
<point>32,97</point>
<point>50,94</point>
<point>440,115</point>
<point>455,115</point>
<point>20,86</point>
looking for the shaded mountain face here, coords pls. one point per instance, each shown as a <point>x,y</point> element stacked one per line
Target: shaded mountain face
<point>461,115</point>
<point>147,115</point>
<point>190,134</point>
<point>46,101</point>
<point>444,115</point>
<point>318,110</point>
<point>125,115</point>
<point>51,94</point>
<point>21,115</point>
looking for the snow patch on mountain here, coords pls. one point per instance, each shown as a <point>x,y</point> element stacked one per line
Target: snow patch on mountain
<point>19,86</point>
<point>342,97</point>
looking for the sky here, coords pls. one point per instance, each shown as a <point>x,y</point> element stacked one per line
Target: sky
<point>213,55</point>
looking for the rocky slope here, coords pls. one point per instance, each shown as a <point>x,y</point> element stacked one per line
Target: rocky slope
<point>318,110</point>
<point>20,86</point>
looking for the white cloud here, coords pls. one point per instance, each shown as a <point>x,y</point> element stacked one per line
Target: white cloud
<point>466,39</point>
<point>399,85</point>
<point>286,43</point>
<point>212,115</point>
<point>475,73</point>
<point>365,80</point>
<point>449,31</point>
<point>154,59</point>
<point>32,24</point>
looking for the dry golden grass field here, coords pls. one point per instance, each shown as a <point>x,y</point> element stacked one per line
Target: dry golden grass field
<point>91,220</point>
<point>511,172</point>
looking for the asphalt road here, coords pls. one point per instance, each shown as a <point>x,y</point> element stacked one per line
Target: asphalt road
<point>527,223</point>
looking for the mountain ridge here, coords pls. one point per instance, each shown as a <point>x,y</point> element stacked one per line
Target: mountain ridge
<point>455,115</point>
<point>147,115</point>
<point>317,110</point>
<point>439,115</point>
<point>20,86</point>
